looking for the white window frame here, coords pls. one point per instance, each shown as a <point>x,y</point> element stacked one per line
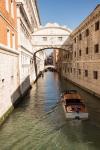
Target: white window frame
<point>13,41</point>
<point>8,38</point>
<point>7,5</point>
<point>12,8</point>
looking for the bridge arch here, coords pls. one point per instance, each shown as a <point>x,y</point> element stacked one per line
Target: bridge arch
<point>69,47</point>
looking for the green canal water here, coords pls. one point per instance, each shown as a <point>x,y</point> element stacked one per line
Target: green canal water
<point>38,122</point>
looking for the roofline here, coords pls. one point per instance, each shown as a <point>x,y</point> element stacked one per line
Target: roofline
<point>61,28</point>
<point>84,21</point>
<point>37,11</point>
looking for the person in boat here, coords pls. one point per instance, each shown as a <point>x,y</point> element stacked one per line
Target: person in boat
<point>78,109</point>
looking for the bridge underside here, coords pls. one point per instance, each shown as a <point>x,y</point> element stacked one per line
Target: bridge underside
<point>38,48</point>
<point>49,66</point>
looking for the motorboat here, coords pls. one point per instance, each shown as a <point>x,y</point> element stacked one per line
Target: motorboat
<point>73,105</point>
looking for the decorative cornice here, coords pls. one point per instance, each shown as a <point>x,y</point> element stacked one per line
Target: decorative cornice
<point>26,49</point>
<point>21,6</point>
<point>7,49</point>
<point>7,21</point>
<point>37,11</point>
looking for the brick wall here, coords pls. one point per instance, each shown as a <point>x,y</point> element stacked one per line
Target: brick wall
<point>7,22</point>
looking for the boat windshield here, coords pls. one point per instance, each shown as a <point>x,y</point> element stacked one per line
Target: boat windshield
<point>73,101</point>
<point>70,92</point>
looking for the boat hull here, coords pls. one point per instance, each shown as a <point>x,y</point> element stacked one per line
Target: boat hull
<point>75,115</point>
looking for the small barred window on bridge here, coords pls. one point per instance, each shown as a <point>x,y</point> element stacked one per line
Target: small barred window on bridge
<point>44,38</point>
<point>60,38</point>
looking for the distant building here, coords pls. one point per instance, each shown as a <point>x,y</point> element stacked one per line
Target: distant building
<point>49,60</point>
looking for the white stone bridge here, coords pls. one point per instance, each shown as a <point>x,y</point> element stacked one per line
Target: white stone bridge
<point>51,36</point>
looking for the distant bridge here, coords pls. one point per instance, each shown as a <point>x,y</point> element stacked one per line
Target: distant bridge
<point>49,66</point>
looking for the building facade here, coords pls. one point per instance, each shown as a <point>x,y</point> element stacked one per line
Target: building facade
<point>18,20</point>
<point>8,20</point>
<point>9,70</point>
<point>82,64</point>
<point>27,22</point>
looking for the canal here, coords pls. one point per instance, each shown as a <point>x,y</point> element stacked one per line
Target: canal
<point>38,122</point>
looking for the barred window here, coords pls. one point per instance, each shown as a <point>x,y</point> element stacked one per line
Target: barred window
<point>80,36</point>
<point>97,26</point>
<point>44,38</point>
<point>96,48</point>
<point>75,40</point>
<point>75,53</point>
<point>60,38</point>
<point>80,52</point>
<point>79,71</point>
<point>86,73</point>
<point>87,50</point>
<point>95,74</point>
<point>87,32</point>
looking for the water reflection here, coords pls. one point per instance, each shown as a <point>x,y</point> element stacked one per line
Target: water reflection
<point>38,123</point>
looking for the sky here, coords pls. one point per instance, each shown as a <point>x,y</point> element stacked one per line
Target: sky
<point>65,12</point>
